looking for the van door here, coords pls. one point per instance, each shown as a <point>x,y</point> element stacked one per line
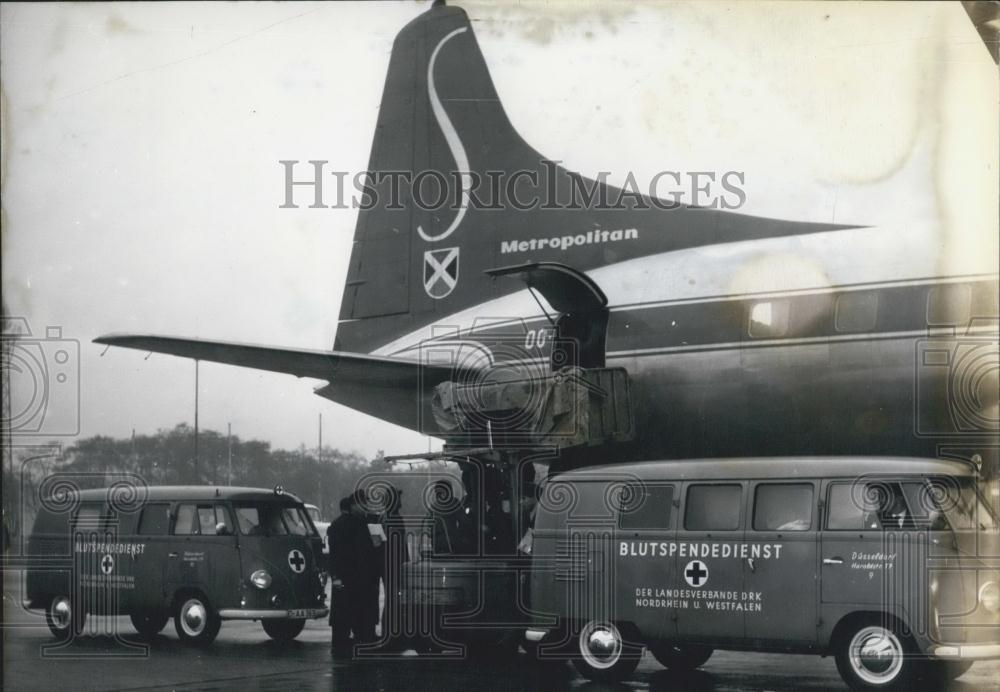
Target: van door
<point>781,570</point>
<point>92,562</point>
<point>645,569</point>
<point>708,562</point>
<point>203,554</point>
<point>151,561</point>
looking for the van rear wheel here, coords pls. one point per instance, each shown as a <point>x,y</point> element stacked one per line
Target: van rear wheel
<point>195,620</point>
<point>148,625</point>
<point>603,654</point>
<point>283,630</point>
<point>876,655</point>
<point>63,618</point>
<point>676,657</point>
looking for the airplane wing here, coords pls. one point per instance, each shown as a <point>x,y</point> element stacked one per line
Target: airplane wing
<point>389,388</point>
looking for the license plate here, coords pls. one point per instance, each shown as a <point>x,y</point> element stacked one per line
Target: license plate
<point>304,613</point>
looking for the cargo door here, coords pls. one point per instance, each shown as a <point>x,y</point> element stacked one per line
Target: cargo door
<point>150,565</point>
<point>646,571</point>
<point>780,566</point>
<point>708,555</point>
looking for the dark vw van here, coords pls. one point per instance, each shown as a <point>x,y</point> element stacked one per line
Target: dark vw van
<point>198,554</point>
<point>891,565</point>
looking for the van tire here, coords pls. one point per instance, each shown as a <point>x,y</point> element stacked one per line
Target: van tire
<point>283,630</point>
<point>618,665</point>
<point>148,625</point>
<point>676,657</point>
<point>64,618</point>
<point>195,620</point>
<point>897,665</point>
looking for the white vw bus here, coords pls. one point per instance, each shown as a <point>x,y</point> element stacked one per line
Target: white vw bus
<point>891,565</point>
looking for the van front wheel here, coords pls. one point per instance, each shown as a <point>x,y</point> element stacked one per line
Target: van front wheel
<point>195,621</point>
<point>677,657</point>
<point>603,654</point>
<point>64,620</point>
<point>875,656</point>
<point>283,630</point>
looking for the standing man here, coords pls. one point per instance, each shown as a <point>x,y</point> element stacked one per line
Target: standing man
<point>355,569</point>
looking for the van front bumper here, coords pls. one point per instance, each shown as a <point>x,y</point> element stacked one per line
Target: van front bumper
<point>968,652</point>
<point>293,614</point>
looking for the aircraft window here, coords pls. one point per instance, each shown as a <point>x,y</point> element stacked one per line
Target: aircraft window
<point>187,521</point>
<point>769,319</point>
<point>155,520</point>
<point>713,508</point>
<point>783,507</point>
<point>647,507</point>
<point>949,304</point>
<point>856,312</point>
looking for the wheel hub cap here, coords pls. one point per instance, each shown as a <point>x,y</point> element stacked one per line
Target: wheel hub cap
<point>876,655</point>
<point>62,614</point>
<point>601,645</point>
<point>193,617</point>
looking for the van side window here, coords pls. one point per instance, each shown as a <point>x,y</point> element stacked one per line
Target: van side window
<point>647,507</point>
<point>90,515</point>
<point>713,507</point>
<point>856,312</point>
<point>869,507</point>
<point>187,521</point>
<point>155,520</point>
<point>214,520</point>
<point>783,507</point>
<point>847,508</point>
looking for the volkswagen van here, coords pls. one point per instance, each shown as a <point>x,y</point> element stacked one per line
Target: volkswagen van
<point>197,554</point>
<point>889,564</point>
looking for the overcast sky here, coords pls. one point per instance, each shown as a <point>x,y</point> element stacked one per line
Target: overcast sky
<point>141,184</point>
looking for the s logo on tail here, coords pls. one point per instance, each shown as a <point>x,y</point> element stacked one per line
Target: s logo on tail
<point>454,143</point>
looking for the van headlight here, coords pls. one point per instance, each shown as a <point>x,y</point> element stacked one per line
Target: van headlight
<point>261,579</point>
<point>989,596</point>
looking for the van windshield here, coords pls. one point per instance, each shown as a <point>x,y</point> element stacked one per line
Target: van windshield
<point>272,519</point>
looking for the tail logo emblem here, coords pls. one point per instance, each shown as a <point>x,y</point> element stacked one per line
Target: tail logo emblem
<point>454,144</point>
<point>440,271</point>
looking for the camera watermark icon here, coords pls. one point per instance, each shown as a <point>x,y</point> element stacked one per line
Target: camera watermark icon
<point>42,377</point>
<point>957,382</point>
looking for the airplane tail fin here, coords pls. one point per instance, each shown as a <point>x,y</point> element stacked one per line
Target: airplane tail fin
<point>455,191</point>
<point>417,256</point>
